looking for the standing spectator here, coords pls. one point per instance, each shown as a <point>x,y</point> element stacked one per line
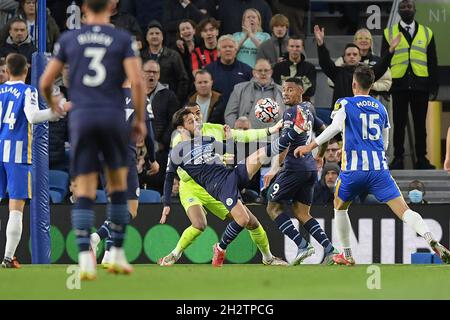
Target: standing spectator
<point>210,102</point>
<point>18,42</point>
<point>251,37</point>
<point>125,21</point>
<point>343,76</point>
<point>296,11</point>
<point>163,103</point>
<point>275,49</point>
<point>174,12</point>
<point>245,95</point>
<point>186,45</point>
<point>7,10</point>
<point>324,188</point>
<point>207,52</point>
<point>144,10</point>
<point>27,12</point>
<point>296,67</point>
<point>414,81</point>
<point>228,71</point>
<point>230,13</point>
<point>173,72</point>
<point>3,73</point>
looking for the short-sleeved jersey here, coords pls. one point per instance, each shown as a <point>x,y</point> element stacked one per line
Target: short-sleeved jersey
<point>95,55</point>
<point>363,147</point>
<point>290,137</point>
<point>16,133</point>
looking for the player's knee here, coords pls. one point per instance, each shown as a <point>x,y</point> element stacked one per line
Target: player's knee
<point>273,211</point>
<point>253,223</point>
<point>200,225</point>
<point>243,220</point>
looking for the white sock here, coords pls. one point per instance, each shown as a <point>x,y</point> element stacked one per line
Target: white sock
<point>343,228</point>
<point>415,221</point>
<point>95,239</point>
<point>13,233</point>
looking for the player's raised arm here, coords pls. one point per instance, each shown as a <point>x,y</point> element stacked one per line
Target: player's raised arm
<point>335,127</point>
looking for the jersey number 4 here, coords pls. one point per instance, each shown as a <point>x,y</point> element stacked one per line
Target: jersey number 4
<point>96,65</point>
<point>9,117</point>
<point>372,125</point>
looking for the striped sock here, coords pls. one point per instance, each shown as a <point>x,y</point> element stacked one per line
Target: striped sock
<point>82,222</point>
<point>314,229</point>
<point>286,226</point>
<point>231,232</point>
<point>104,232</point>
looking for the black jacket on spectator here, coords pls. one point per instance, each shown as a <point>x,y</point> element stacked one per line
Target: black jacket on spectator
<point>58,135</point>
<point>305,71</point>
<point>343,76</point>
<point>25,48</point>
<point>173,72</point>
<point>164,104</point>
<point>174,13</point>
<point>322,194</point>
<point>127,22</point>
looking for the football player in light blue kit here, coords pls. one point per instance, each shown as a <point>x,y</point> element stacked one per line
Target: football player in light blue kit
<point>364,124</point>
<point>19,110</point>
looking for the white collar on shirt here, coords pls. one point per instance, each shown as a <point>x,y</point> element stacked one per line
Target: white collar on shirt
<point>412,27</point>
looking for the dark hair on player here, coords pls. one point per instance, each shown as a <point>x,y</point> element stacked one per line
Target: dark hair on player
<point>16,64</point>
<point>178,117</point>
<point>364,76</point>
<point>297,81</point>
<point>97,6</point>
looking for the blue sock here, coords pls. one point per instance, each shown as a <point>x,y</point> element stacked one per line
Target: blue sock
<point>82,222</point>
<point>118,214</point>
<point>286,226</point>
<point>231,232</point>
<point>314,229</point>
<point>104,232</point>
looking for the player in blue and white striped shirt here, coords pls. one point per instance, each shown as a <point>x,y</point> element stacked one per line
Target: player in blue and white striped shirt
<point>364,124</point>
<point>19,110</point>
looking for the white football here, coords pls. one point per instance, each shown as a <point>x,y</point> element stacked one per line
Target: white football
<point>266,110</point>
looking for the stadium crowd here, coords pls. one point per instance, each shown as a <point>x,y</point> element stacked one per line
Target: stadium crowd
<point>224,56</point>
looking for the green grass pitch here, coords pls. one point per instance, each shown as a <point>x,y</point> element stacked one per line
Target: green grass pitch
<point>231,282</point>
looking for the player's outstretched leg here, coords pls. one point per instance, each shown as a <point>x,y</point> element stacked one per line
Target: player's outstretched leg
<point>241,219</point>
<point>259,237</point>
<point>284,223</point>
<point>415,221</point>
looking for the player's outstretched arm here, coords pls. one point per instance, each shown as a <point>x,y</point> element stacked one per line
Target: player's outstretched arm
<point>333,129</point>
<point>32,112</point>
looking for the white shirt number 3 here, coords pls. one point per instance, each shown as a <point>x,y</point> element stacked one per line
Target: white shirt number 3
<point>96,54</point>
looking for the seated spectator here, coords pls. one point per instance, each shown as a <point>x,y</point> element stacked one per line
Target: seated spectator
<point>164,104</point>
<point>174,12</point>
<point>210,102</point>
<point>173,72</point>
<point>242,123</point>
<point>333,152</point>
<point>245,95</point>
<point>416,192</point>
<point>324,189</point>
<point>296,67</point>
<point>58,135</point>
<point>18,42</point>
<point>275,49</point>
<point>186,44</point>
<point>207,52</point>
<point>27,12</point>
<point>228,71</point>
<point>250,38</point>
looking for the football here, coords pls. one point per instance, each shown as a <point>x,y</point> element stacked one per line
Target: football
<point>266,110</point>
